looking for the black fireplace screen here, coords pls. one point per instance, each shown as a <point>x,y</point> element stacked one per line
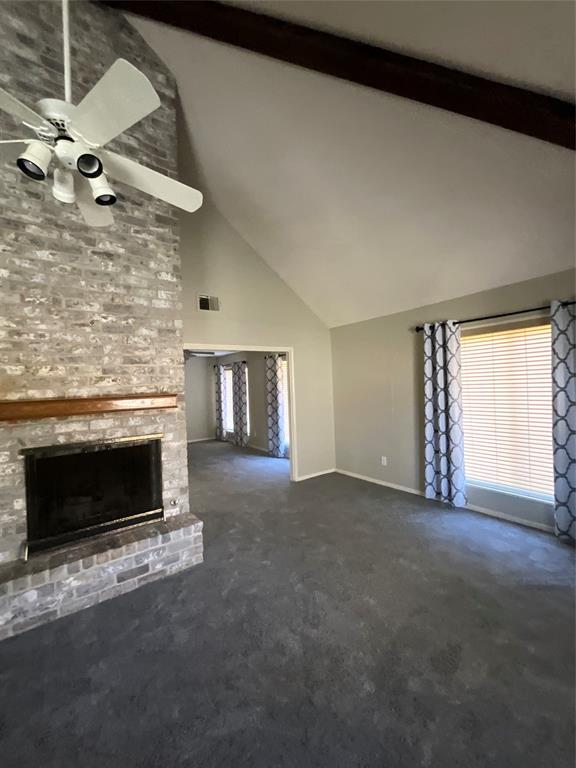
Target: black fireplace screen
<point>74,491</point>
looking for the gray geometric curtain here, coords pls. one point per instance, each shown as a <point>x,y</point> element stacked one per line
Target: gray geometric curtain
<point>564,417</point>
<point>240,402</point>
<point>445,479</point>
<point>220,402</point>
<point>277,446</point>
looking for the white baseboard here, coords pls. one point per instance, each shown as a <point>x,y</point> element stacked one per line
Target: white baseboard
<point>201,439</point>
<point>511,518</point>
<point>470,507</point>
<point>314,474</point>
<point>378,482</point>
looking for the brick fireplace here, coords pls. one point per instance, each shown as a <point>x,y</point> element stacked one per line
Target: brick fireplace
<point>87,313</point>
<point>79,490</point>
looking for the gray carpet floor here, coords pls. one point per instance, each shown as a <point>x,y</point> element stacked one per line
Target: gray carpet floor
<point>334,623</point>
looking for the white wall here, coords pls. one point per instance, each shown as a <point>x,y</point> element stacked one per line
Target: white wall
<point>257,309</point>
<point>378,389</point>
<point>199,383</point>
<point>366,203</point>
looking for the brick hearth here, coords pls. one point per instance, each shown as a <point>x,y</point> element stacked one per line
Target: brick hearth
<point>60,582</point>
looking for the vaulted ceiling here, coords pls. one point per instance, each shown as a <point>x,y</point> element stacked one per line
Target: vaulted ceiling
<point>366,203</point>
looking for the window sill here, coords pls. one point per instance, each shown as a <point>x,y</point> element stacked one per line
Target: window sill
<point>517,493</point>
<point>517,508</point>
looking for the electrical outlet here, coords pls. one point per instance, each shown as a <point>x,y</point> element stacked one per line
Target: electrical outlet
<point>384,461</point>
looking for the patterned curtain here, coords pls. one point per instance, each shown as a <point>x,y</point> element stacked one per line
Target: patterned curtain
<point>220,402</point>
<point>240,404</point>
<point>275,407</point>
<point>563,319</point>
<point>445,478</point>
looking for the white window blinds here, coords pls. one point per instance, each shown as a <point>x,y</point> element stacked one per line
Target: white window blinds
<point>507,404</point>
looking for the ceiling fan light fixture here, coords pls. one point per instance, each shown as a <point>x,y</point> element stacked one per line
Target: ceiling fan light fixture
<point>63,188</point>
<point>34,161</point>
<point>89,165</point>
<point>102,192</point>
<point>108,199</point>
<point>74,132</point>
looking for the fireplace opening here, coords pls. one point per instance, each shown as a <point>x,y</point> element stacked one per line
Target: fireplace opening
<point>79,490</point>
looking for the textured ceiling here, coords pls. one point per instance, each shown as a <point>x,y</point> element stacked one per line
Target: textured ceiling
<point>368,204</point>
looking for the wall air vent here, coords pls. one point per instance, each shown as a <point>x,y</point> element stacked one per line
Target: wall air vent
<point>209,303</point>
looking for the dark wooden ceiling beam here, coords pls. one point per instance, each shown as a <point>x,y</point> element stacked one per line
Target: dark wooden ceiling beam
<point>517,109</point>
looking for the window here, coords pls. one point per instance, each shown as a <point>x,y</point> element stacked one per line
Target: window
<point>507,405</point>
<point>228,401</point>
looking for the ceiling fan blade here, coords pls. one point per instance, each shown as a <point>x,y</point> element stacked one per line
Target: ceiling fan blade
<point>30,118</point>
<point>94,215</point>
<point>151,182</point>
<point>122,97</point>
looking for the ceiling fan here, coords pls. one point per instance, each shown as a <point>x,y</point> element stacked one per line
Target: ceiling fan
<point>72,139</point>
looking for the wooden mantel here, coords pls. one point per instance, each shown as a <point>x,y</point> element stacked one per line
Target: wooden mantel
<point>29,410</point>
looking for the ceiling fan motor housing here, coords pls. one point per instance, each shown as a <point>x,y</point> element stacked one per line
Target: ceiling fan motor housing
<point>71,152</point>
<point>57,112</point>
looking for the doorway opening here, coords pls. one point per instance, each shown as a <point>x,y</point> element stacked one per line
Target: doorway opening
<point>242,396</point>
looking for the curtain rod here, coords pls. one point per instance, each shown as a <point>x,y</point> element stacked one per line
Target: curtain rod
<point>503,314</point>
